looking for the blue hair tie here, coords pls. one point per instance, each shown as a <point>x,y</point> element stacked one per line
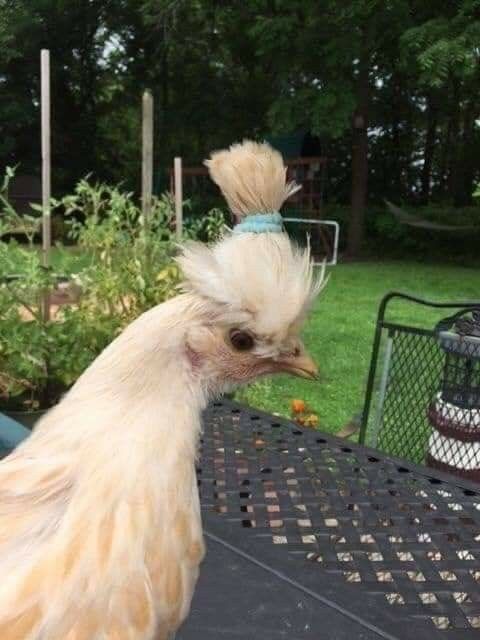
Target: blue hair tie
<point>260,223</point>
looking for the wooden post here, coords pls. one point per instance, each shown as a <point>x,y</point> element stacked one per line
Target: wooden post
<point>46,173</point>
<point>147,156</point>
<point>177,169</point>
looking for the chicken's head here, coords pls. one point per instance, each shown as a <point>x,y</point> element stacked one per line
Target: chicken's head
<point>253,288</point>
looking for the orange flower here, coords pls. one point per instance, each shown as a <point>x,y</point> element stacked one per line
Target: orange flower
<point>298,406</point>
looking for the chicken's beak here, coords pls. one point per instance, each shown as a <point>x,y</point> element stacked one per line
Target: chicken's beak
<point>302,366</point>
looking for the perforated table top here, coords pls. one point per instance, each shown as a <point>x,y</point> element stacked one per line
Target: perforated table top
<point>310,536</point>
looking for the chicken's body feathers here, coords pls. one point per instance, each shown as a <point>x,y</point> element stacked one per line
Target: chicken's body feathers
<point>86,524</point>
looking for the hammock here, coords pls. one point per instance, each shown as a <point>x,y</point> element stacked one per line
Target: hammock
<point>413,221</point>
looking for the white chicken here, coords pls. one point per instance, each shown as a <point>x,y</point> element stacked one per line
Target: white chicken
<point>100,526</point>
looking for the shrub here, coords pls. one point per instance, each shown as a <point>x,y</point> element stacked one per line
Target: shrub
<point>128,269</point>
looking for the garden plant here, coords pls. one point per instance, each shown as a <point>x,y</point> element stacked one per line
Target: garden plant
<point>126,267</point>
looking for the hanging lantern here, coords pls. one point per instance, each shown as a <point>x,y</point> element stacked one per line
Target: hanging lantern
<point>454,444</point>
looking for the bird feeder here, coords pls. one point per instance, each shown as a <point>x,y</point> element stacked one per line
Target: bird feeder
<point>454,414</point>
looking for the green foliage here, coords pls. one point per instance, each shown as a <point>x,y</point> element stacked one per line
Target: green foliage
<point>207,227</point>
<point>26,340</point>
<point>127,270</point>
<point>11,223</point>
<point>445,47</point>
<point>130,260</point>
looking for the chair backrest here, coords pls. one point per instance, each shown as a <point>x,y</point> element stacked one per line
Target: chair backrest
<point>406,372</point>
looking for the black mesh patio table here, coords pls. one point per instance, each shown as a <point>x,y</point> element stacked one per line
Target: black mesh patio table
<point>310,536</point>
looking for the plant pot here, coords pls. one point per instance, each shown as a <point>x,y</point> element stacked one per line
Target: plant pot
<point>11,434</point>
<point>17,409</point>
<point>27,418</point>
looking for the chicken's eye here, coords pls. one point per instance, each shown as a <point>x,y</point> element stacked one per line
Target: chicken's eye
<point>241,340</point>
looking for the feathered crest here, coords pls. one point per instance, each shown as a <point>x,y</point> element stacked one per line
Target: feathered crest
<point>264,277</point>
<point>252,178</point>
<point>256,275</point>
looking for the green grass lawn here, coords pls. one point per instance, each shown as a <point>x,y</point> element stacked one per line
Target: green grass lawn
<point>339,333</point>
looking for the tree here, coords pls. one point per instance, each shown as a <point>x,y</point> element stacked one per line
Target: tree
<point>444,49</point>
<point>74,32</point>
<point>330,80</point>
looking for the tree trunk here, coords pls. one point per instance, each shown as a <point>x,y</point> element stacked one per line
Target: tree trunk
<point>164,102</point>
<point>462,196</point>
<point>444,161</point>
<point>395,165</point>
<point>356,227</point>
<point>454,142</point>
<point>432,117</point>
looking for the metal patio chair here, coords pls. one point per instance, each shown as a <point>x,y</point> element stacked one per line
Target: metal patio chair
<point>420,395</point>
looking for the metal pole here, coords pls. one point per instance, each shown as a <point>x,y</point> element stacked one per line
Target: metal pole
<point>46,168</point>
<point>147,156</point>
<point>382,393</point>
<point>177,169</point>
